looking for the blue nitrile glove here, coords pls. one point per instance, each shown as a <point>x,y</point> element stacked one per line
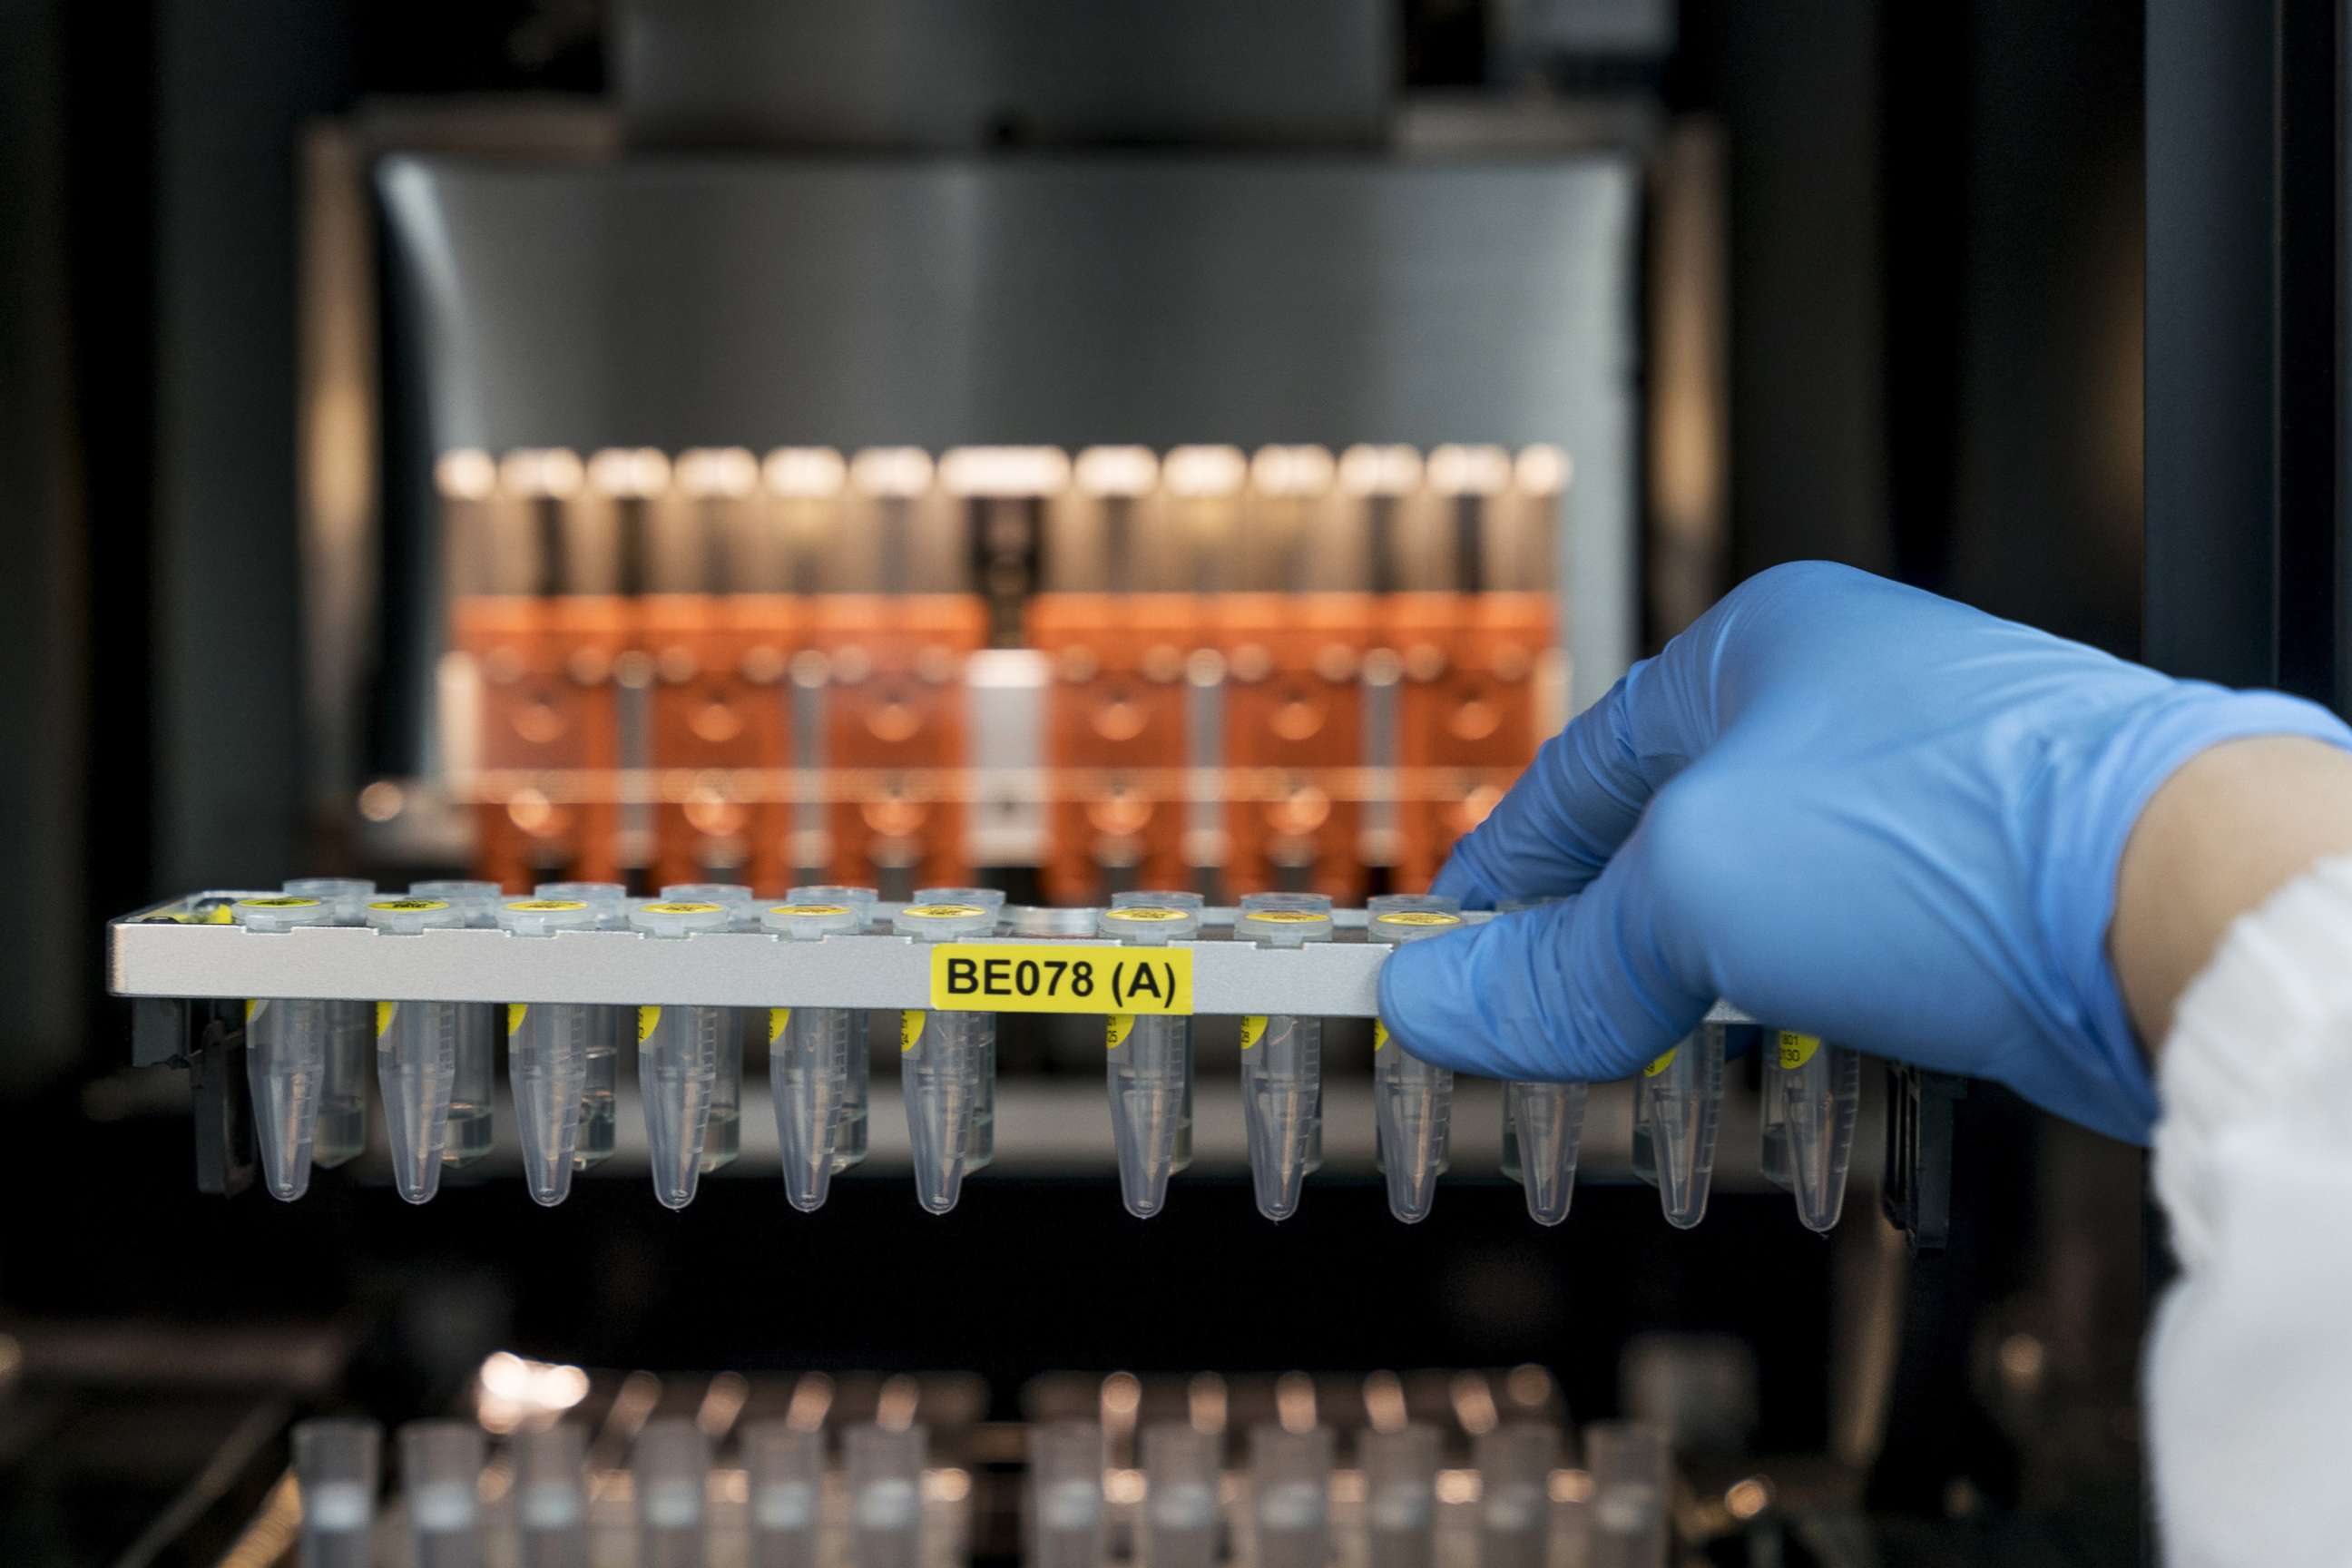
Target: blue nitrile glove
<point>1849,807</point>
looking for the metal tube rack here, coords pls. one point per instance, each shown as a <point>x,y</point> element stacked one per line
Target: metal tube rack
<point>159,953</point>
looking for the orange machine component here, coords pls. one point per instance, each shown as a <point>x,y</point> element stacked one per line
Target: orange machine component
<point>719,722</point>
<point>549,704</point>
<point>1294,724</point>
<point>1467,715</point>
<point>1115,738</point>
<point>894,725</point>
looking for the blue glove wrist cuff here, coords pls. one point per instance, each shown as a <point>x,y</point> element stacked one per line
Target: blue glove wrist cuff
<point>2096,814</point>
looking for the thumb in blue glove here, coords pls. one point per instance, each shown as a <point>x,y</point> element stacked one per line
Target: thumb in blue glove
<point>1848,807</point>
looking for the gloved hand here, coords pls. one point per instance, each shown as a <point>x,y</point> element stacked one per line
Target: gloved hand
<point>1848,807</point>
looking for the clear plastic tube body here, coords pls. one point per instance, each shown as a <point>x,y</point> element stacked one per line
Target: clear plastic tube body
<point>1181,1476</point>
<point>1147,1064</point>
<point>416,1057</point>
<point>678,1050</point>
<point>858,1122</point>
<point>547,1057</point>
<point>1400,1496</point>
<point>1546,1120</point>
<point>1543,1128</point>
<point>885,1469</point>
<point>811,1053</point>
<point>1677,1103</point>
<point>1629,1523</point>
<point>786,1466</point>
<point>343,1092</point>
<point>1821,1093</point>
<point>441,1476</point>
<point>670,1469</point>
<point>722,1142</point>
<point>1173,899</point>
<point>286,1044</point>
<point>337,1466</point>
<point>1065,1495</point>
<point>943,1060</point>
<point>981,1152</point>
<point>1515,1464</point>
<point>600,1094</point>
<point>1282,1063</point>
<point>550,1495</point>
<point>1413,1100</point>
<point>1290,1496</point>
<point>473,1082</point>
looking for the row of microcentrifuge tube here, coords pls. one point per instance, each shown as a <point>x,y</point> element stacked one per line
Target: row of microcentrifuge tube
<point>1285,1523</point>
<point>308,1065</point>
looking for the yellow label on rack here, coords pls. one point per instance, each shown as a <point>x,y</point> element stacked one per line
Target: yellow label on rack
<point>910,1029</point>
<point>779,1020</point>
<point>1253,1029</point>
<point>515,1010</point>
<point>1380,1034</point>
<point>1662,1064</point>
<point>1060,977</point>
<point>1797,1049</point>
<point>383,1012</point>
<point>1116,1029</point>
<point>648,1019</point>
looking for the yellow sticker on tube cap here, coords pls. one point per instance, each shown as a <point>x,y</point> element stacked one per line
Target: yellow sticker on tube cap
<point>1797,1049</point>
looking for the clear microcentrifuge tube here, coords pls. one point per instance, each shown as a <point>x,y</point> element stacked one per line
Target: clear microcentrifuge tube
<point>415,1056</point>
<point>884,1468</point>
<point>1632,1469</point>
<point>1543,1128</point>
<point>285,1055</point>
<point>1148,1063</point>
<point>1548,1122</point>
<point>550,1495</point>
<point>336,1466</point>
<point>600,1096</point>
<point>724,1139</point>
<point>1174,898</point>
<point>786,1467</point>
<point>981,1152</point>
<point>546,1056</point>
<point>1400,1496</point>
<point>1677,1101</point>
<point>942,1058</point>
<point>1821,1092</point>
<point>1290,1496</point>
<point>350,1029</point>
<point>678,1047</point>
<point>857,1121</point>
<point>441,1476</point>
<point>1413,1099</point>
<point>1515,1463</point>
<point>1180,1478</point>
<point>811,1062</point>
<point>1065,1495</point>
<point>669,1470</point>
<point>473,1081</point>
<point>1282,1065</point>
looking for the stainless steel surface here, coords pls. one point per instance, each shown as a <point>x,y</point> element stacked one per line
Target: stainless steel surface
<point>1339,980</point>
<point>685,301</point>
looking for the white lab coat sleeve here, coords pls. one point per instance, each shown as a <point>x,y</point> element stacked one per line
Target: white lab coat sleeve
<point>2250,1362</point>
